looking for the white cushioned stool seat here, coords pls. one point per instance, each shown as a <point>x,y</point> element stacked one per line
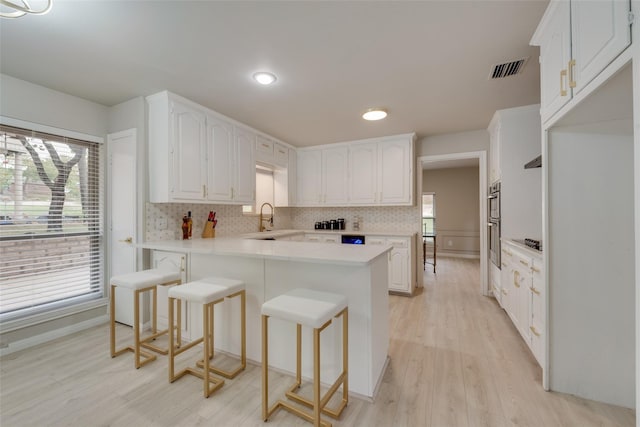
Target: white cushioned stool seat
<point>305,306</point>
<point>145,278</point>
<point>206,290</point>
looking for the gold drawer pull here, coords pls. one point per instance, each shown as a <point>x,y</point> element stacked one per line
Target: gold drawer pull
<point>536,333</point>
<point>535,270</point>
<point>524,263</point>
<point>503,291</point>
<point>504,265</point>
<point>563,77</point>
<point>534,290</point>
<point>265,145</point>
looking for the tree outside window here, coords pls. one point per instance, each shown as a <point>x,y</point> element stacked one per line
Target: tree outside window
<point>428,214</point>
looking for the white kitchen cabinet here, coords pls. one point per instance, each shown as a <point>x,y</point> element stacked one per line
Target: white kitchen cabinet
<point>220,157</point>
<point>264,149</point>
<point>363,183</point>
<point>577,40</point>
<point>322,177</point>
<point>381,171</point>
<point>244,177</point>
<point>537,310</point>
<point>197,155</point>
<point>401,261</point>
<point>285,181</point>
<point>334,176</point>
<point>177,147</point>
<point>280,155</point>
<point>395,166</point>
<point>170,261</point>
<point>524,295</point>
<point>309,178</point>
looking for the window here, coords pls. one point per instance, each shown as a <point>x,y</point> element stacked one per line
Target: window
<point>264,190</point>
<point>51,227</point>
<point>428,213</point>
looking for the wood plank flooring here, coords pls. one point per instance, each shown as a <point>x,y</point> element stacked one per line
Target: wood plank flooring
<point>456,360</point>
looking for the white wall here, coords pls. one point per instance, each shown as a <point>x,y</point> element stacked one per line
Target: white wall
<point>591,263</point>
<point>37,104</point>
<point>31,103</point>
<point>457,208</point>
<point>462,142</point>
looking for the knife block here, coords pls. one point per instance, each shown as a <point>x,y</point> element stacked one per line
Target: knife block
<point>209,231</point>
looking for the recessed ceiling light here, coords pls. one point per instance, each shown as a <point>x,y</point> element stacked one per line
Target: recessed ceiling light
<point>375,114</point>
<point>264,78</point>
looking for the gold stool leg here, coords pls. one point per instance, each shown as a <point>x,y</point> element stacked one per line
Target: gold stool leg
<point>345,356</point>
<point>171,343</point>
<point>206,333</point>
<point>112,322</point>
<point>265,368</point>
<point>316,378</point>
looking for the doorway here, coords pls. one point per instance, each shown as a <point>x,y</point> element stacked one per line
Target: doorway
<point>461,160</point>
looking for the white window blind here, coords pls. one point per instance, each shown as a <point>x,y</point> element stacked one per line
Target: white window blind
<point>51,222</point>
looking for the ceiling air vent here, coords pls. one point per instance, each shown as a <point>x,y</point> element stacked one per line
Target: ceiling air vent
<point>507,69</point>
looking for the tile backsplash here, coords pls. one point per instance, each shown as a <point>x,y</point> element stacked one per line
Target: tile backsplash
<point>164,220</point>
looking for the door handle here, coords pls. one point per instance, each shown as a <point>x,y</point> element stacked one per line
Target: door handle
<point>127,240</point>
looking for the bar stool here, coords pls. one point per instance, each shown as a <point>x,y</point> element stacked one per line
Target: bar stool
<point>140,282</point>
<point>316,310</point>
<point>208,292</point>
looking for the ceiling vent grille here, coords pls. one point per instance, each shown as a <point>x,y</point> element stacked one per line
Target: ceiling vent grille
<point>507,69</point>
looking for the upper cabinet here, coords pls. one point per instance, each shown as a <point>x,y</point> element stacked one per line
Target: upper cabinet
<point>377,171</point>
<point>198,155</point>
<point>577,40</point>
<point>495,171</point>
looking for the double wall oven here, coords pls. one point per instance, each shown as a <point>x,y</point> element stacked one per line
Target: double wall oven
<point>494,223</point>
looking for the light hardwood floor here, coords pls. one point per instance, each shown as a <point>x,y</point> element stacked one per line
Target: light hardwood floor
<point>456,360</point>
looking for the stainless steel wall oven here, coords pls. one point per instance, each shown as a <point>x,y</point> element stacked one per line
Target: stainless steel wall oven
<point>493,223</point>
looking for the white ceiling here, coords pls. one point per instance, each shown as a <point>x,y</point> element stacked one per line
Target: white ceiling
<point>427,62</point>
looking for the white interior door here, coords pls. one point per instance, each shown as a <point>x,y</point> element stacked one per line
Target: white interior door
<point>122,207</point>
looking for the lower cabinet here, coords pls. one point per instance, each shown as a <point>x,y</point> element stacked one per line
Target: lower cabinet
<point>175,261</point>
<point>401,265</point>
<point>523,296</point>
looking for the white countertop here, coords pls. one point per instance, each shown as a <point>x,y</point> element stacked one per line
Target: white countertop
<point>327,253</point>
<point>283,233</point>
<point>520,245</point>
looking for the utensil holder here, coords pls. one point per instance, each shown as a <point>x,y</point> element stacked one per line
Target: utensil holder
<point>209,231</point>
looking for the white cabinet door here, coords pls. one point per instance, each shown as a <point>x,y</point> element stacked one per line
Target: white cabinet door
<point>398,270</point>
<point>309,181</point>
<point>555,54</point>
<point>334,176</point>
<point>494,149</point>
<point>280,155</point>
<point>188,150</point>
<point>264,150</point>
<point>220,159</point>
<point>600,31</point>
<point>363,183</point>
<point>244,185</point>
<point>395,186</point>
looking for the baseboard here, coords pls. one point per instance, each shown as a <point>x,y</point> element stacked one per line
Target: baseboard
<point>453,255</point>
<point>52,335</point>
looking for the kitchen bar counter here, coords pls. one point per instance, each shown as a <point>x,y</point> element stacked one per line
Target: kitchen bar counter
<point>252,247</point>
<point>270,268</point>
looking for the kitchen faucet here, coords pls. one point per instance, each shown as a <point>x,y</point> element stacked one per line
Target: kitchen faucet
<point>270,219</point>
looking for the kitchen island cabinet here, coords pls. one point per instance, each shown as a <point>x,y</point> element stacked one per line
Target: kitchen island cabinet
<point>270,268</point>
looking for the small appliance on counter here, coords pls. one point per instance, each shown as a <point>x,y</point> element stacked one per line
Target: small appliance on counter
<point>333,224</point>
<point>532,243</point>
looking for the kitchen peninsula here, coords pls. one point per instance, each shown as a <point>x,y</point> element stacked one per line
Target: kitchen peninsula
<point>270,268</point>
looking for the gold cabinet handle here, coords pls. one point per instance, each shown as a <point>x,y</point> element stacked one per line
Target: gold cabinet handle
<point>504,292</point>
<point>204,191</point>
<point>563,78</point>
<point>181,263</point>
<point>516,276</point>
<point>504,265</point>
<point>127,240</point>
<point>536,333</point>
<point>535,269</point>
<point>534,290</point>
<point>572,66</point>
<point>524,263</point>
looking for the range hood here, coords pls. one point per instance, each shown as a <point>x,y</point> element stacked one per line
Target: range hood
<point>535,163</point>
